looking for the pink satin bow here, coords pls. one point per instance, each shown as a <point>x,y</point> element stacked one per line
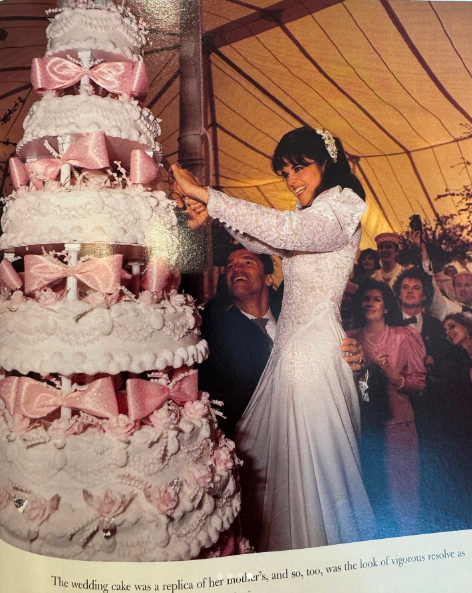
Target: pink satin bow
<point>156,275</point>
<point>144,397</point>
<point>89,152</point>
<point>102,274</point>
<point>122,78</point>
<point>143,169</point>
<point>33,399</point>
<point>9,276</point>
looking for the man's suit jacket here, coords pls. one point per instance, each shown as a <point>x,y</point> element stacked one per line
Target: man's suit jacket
<point>435,340</point>
<point>239,352</point>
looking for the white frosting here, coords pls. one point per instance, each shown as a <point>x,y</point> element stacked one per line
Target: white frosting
<point>106,33</point>
<point>84,477</point>
<point>83,114</point>
<point>88,215</point>
<point>74,337</point>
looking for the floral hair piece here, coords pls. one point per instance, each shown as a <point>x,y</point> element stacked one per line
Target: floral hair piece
<point>329,142</point>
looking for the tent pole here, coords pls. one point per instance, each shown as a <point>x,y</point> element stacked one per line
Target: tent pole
<point>191,93</point>
<point>191,127</point>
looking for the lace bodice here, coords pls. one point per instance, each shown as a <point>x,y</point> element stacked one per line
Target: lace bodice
<point>318,246</point>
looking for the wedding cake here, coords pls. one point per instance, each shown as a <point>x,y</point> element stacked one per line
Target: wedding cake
<point>108,451</point>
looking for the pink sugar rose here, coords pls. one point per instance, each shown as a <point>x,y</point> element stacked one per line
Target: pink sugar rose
<point>163,499</point>
<point>47,297</point>
<point>4,498</point>
<point>17,298</point>
<point>196,410</point>
<point>96,179</point>
<point>120,427</point>
<point>95,299</point>
<point>63,427</point>
<point>223,458</point>
<point>166,416</point>
<point>176,299</point>
<point>147,297</point>
<point>203,475</point>
<point>108,504</point>
<point>39,509</point>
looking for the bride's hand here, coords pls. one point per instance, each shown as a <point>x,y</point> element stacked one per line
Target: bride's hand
<point>197,213</point>
<point>187,185</point>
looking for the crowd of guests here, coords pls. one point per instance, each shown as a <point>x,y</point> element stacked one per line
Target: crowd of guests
<point>413,328</point>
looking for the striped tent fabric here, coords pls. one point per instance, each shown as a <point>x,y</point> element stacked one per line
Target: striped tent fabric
<point>391,78</point>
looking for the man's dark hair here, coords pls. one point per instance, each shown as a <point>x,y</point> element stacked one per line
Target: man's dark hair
<point>267,263</point>
<point>416,274</point>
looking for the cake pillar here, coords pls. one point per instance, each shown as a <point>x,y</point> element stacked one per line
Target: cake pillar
<point>85,58</point>
<point>66,385</point>
<point>64,144</point>
<point>135,285</point>
<point>71,286</point>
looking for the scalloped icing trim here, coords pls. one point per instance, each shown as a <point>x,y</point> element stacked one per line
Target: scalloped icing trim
<point>80,114</point>
<point>126,337</point>
<point>111,215</point>
<point>96,462</point>
<point>79,29</point>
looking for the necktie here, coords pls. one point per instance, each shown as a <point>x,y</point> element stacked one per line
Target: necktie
<point>410,320</point>
<point>261,322</point>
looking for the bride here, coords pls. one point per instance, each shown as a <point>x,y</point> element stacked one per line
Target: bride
<point>302,484</point>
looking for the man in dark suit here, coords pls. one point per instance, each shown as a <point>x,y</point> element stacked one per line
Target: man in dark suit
<point>414,290</point>
<point>240,330</point>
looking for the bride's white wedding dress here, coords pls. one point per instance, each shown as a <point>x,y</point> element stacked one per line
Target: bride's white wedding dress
<point>298,435</point>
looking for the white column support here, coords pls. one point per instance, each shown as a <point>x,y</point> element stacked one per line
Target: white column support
<point>64,143</point>
<point>85,58</point>
<point>73,253</point>
<point>66,385</point>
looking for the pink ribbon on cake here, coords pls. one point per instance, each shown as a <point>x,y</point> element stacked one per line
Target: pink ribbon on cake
<point>33,399</point>
<point>89,152</point>
<point>144,396</point>
<point>143,168</point>
<point>122,78</point>
<point>9,276</point>
<point>18,172</point>
<point>102,274</point>
<point>156,275</point>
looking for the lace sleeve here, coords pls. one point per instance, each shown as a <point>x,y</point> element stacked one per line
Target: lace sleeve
<point>254,245</point>
<point>326,226</point>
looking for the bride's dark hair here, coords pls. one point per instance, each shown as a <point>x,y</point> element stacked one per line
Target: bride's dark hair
<point>302,145</point>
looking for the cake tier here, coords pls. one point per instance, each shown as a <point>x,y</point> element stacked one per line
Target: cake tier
<point>107,33</point>
<point>88,215</point>
<point>126,125</point>
<point>111,490</point>
<point>74,337</point>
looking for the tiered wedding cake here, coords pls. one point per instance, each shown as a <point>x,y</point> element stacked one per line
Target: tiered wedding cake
<point>107,449</point>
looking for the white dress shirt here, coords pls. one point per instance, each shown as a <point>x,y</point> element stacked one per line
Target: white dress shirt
<point>271,326</point>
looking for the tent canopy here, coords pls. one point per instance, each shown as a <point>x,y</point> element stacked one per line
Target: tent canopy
<point>392,79</point>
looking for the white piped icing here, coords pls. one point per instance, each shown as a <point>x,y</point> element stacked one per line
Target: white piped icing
<point>74,337</point>
<point>106,33</point>
<point>82,114</point>
<point>90,489</point>
<point>87,215</point>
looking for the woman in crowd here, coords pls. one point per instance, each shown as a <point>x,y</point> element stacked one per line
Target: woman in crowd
<point>394,356</point>
<point>298,436</point>
<point>457,426</point>
<point>366,265</point>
